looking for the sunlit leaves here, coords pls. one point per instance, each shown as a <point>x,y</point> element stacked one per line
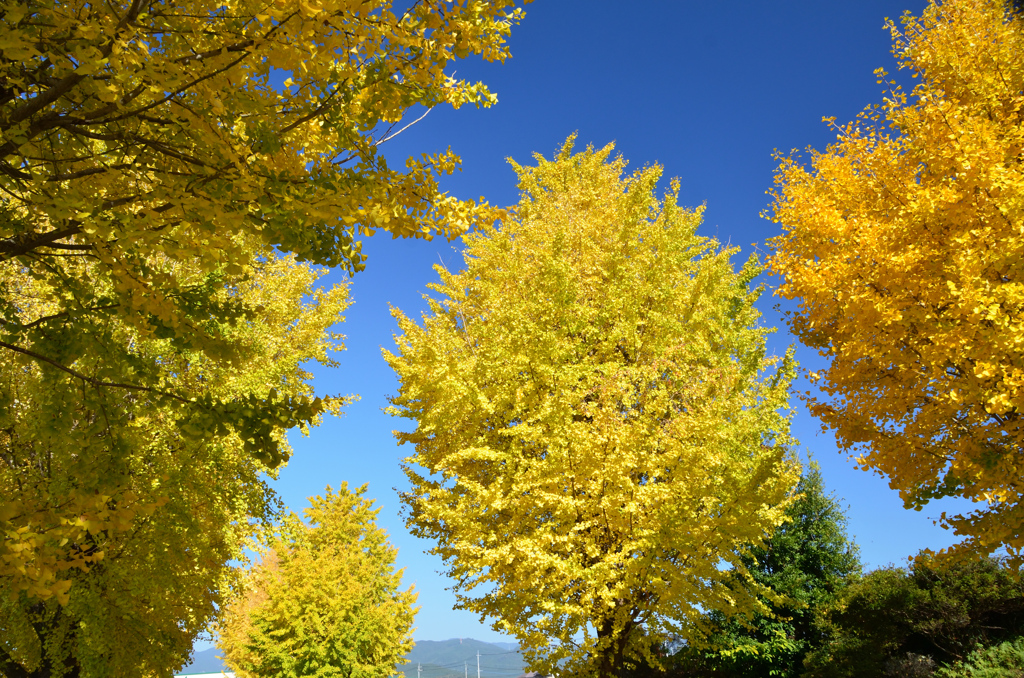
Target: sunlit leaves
<point>121,507</point>
<point>153,173</point>
<point>597,425</point>
<point>905,245</point>
<point>153,137</point>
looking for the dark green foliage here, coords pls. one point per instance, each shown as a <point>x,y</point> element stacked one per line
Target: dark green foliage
<point>1005,660</point>
<point>899,623</point>
<point>807,560</point>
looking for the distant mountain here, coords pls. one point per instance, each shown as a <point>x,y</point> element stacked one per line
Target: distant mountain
<point>457,658</point>
<point>204,662</point>
<point>454,658</point>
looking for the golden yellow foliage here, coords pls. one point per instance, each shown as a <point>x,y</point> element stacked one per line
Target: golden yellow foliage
<point>142,126</point>
<point>154,137</point>
<point>598,429</point>
<point>323,600</point>
<point>154,174</point>
<point>905,248</point>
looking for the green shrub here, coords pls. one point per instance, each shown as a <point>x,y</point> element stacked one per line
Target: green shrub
<point>1005,660</point>
<point>893,618</point>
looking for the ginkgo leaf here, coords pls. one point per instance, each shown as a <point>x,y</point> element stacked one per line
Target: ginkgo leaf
<point>323,600</point>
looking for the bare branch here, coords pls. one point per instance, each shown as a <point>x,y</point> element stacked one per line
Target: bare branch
<point>389,137</point>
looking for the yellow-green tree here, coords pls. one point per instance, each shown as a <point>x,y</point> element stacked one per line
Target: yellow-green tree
<point>154,171</point>
<point>598,428</point>
<point>323,601</point>
<point>151,137</point>
<point>903,243</point>
<point>119,511</point>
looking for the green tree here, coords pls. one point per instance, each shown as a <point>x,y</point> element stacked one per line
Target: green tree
<point>598,427</point>
<point>1004,660</point>
<point>930,615</point>
<point>807,561</point>
<point>323,601</point>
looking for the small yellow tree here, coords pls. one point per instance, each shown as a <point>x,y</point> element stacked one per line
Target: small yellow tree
<point>324,600</point>
<point>905,248</point>
<point>598,429</point>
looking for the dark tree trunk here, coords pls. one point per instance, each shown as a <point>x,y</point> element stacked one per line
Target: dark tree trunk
<point>610,663</point>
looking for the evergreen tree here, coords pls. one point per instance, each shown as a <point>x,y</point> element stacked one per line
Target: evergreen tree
<point>807,562</point>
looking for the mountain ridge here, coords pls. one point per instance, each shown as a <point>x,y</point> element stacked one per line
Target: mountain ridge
<point>452,658</point>
<point>457,658</point>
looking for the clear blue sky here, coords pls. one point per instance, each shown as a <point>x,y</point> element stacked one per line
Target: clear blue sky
<point>708,90</point>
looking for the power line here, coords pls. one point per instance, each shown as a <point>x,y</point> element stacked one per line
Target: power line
<point>423,670</point>
<point>466,659</point>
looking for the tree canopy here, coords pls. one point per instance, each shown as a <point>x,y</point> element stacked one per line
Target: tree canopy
<point>598,428</point>
<point>897,621</point>
<point>902,242</point>
<point>323,601</point>
<point>170,172</point>
<point>154,138</point>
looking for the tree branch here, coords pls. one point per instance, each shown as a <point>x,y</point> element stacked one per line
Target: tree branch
<point>15,247</point>
<point>87,379</point>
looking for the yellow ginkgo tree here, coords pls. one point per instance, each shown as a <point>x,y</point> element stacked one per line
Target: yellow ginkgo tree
<point>324,599</point>
<point>599,431</point>
<point>170,173</point>
<point>904,244</point>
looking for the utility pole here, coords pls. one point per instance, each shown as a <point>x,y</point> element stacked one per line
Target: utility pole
<point>419,667</point>
<point>465,665</point>
<point>478,664</point>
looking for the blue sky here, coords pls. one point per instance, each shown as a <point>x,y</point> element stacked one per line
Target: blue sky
<point>708,90</point>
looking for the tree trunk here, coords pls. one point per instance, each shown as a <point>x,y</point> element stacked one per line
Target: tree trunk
<point>612,653</point>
